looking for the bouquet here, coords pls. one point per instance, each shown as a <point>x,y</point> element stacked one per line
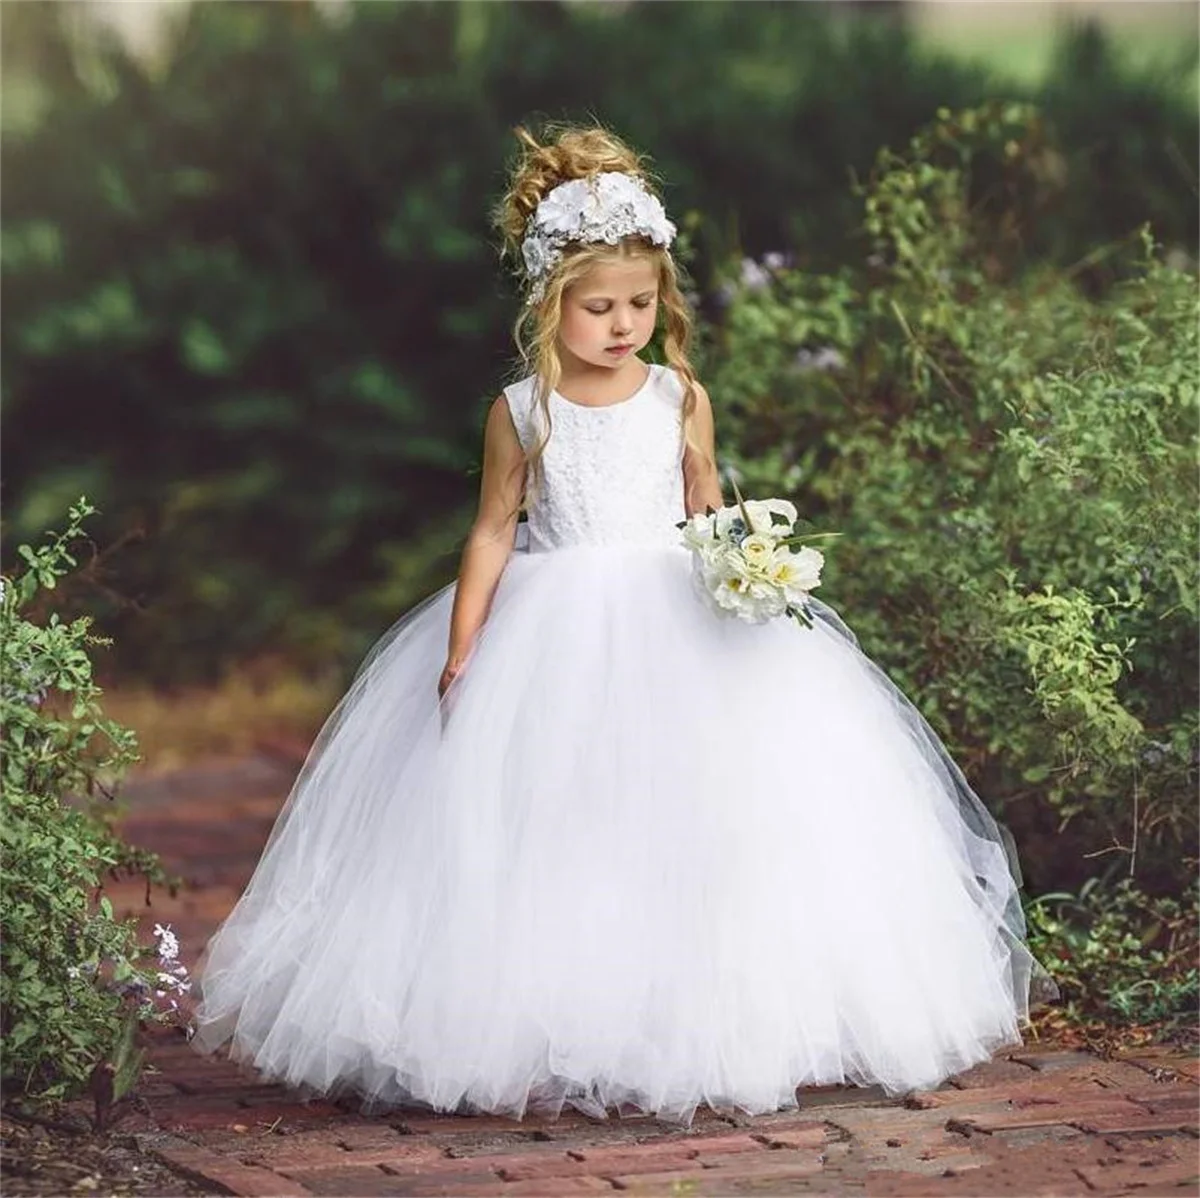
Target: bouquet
<point>744,563</point>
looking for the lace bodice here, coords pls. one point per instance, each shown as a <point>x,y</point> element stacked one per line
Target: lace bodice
<point>611,474</point>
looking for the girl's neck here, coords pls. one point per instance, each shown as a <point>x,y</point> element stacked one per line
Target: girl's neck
<point>590,385</point>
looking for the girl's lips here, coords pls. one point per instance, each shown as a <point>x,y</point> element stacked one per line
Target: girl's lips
<point>618,349</point>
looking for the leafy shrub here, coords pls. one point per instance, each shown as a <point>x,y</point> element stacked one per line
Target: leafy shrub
<point>295,345</point>
<point>1122,957</point>
<point>74,982</point>
<point>1012,463</point>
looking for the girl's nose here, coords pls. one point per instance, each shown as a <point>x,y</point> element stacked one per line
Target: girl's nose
<point>621,322</point>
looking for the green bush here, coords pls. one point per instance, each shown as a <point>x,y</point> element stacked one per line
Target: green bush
<point>253,308</point>
<point>1012,464</point>
<point>1121,957</point>
<point>74,982</point>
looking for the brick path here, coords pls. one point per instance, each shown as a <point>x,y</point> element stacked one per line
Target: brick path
<point>1033,1121</point>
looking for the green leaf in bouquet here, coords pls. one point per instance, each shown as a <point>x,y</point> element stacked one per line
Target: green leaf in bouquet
<point>801,616</point>
<point>801,538</point>
<point>750,529</point>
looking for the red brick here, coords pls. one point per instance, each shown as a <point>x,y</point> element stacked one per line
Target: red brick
<point>552,1187</point>
<point>1028,1137</point>
<point>714,1146</point>
<point>1053,1060</point>
<point>1046,1114</point>
<point>1162,1057</point>
<point>1048,1183</point>
<point>366,1134</point>
<point>1159,1168</point>
<point>411,1164</point>
<point>532,1167</point>
<point>1178,1096</point>
<point>1188,1067</point>
<point>1107,1122</point>
<point>1044,1090</point>
<point>200,1121</point>
<point>815,1099</point>
<point>351,1182</point>
<point>228,1175</point>
<point>473,1125</point>
<point>450,1184</point>
<point>226,1080</point>
<point>217,1109</point>
<point>269,1103</point>
<point>293,1154</point>
<point>515,1166</point>
<point>757,1175</point>
<point>801,1135</point>
<point>871,1125</point>
<point>990,1074</point>
<point>676,1152</point>
<point>1113,1074</point>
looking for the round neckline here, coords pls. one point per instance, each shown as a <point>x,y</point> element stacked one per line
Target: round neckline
<point>604,407</point>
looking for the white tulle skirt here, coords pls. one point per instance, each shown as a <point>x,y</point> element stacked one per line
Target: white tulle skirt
<point>641,858</point>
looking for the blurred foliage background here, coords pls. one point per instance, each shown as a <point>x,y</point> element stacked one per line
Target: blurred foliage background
<point>253,311</point>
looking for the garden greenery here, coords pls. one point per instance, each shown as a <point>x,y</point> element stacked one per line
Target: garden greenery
<point>1123,960</point>
<point>272,368</point>
<point>74,980</point>
<point>1013,465</point>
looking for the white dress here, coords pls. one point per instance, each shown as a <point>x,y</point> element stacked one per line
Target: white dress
<point>642,856</point>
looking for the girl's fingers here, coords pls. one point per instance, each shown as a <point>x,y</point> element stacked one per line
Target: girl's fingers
<point>448,676</point>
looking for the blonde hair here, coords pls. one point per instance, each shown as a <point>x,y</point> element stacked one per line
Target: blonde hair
<point>575,152</point>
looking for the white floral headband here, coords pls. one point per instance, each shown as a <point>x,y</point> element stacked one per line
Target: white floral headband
<point>603,208</point>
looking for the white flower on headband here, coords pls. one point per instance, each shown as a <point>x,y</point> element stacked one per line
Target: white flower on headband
<point>602,208</point>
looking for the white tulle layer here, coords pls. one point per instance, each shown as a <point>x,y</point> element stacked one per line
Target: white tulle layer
<point>642,857</point>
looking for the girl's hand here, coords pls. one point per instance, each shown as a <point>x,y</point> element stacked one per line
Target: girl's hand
<point>454,667</point>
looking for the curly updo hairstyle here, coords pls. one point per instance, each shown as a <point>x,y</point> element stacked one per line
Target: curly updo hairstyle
<point>579,152</point>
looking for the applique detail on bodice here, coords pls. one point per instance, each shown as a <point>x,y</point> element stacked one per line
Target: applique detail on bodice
<point>611,475</point>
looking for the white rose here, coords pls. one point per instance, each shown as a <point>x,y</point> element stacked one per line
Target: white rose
<point>761,511</point>
<point>725,518</point>
<point>770,602</point>
<point>719,564</point>
<point>782,507</point>
<point>758,550</point>
<point>698,532</point>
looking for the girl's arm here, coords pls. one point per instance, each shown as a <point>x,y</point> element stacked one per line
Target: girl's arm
<point>490,540</point>
<point>702,486</point>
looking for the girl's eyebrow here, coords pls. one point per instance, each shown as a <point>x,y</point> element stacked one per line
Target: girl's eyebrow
<point>587,299</point>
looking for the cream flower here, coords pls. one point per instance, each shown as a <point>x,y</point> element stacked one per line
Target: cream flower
<point>797,573</point>
<point>758,550</point>
<point>740,568</point>
<point>698,533</point>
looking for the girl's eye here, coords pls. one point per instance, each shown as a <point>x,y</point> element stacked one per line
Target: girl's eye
<point>603,308</point>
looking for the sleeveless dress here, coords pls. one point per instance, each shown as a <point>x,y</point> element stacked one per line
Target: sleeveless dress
<point>640,857</point>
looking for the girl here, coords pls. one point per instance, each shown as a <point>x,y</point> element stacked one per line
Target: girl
<point>608,849</point>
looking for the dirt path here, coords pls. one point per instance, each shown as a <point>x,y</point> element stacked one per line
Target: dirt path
<point>1034,1121</point>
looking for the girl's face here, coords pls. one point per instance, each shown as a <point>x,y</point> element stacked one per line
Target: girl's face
<point>609,314</point>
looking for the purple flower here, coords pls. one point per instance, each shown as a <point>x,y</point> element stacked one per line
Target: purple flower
<point>754,277</point>
<point>823,359</point>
